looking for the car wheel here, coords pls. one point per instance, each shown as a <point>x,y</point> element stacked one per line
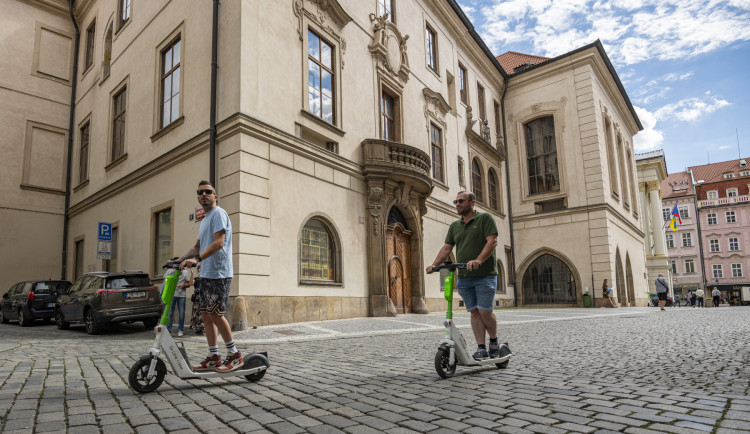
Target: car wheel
<point>3,318</point>
<point>92,327</point>
<point>23,319</point>
<point>150,323</point>
<point>60,320</point>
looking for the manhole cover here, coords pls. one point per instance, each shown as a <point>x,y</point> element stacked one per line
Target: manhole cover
<point>289,332</point>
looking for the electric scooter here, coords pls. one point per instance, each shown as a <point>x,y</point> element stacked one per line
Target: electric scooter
<point>148,372</point>
<point>452,350</point>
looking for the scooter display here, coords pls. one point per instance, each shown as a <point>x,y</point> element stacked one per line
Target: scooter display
<point>149,371</point>
<point>452,350</point>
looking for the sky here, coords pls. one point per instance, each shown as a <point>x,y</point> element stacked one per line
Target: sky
<point>685,64</point>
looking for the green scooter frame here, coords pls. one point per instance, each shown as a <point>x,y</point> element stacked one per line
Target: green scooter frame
<point>147,374</point>
<point>452,350</point>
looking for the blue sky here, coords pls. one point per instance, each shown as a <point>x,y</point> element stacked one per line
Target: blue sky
<point>685,64</point>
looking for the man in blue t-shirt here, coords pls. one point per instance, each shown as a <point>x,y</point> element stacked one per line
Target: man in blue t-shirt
<point>214,251</point>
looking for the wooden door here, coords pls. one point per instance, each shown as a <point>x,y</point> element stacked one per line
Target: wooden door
<point>398,252</point>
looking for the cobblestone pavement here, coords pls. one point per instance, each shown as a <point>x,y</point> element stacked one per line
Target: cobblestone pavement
<point>575,370</point>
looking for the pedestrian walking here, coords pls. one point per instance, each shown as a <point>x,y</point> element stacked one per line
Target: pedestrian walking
<point>691,294</point>
<point>607,295</point>
<point>662,287</point>
<point>716,296</point>
<point>475,237</point>
<point>214,251</point>
<point>699,294</point>
<point>677,299</point>
<point>178,301</point>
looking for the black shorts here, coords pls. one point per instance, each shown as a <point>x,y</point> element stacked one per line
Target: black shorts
<point>214,295</point>
<point>662,295</point>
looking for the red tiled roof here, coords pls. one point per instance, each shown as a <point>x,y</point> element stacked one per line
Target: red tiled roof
<point>512,59</point>
<point>681,185</point>
<point>714,172</point>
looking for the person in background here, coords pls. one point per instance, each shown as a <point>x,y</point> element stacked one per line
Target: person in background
<point>699,295</point>
<point>662,289</point>
<point>607,295</point>
<point>184,282</point>
<point>716,296</point>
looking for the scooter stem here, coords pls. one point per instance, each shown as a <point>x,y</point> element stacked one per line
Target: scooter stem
<point>170,284</point>
<point>448,293</point>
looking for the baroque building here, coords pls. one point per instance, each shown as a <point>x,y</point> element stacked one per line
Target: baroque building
<point>337,134</point>
<point>652,170</point>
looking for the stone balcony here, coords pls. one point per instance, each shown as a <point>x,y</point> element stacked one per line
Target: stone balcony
<point>397,162</point>
<point>723,201</point>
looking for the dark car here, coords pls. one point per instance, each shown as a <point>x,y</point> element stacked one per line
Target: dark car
<point>100,298</point>
<point>28,301</point>
<point>655,300</point>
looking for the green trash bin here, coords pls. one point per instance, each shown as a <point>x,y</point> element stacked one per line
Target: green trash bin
<point>586,300</point>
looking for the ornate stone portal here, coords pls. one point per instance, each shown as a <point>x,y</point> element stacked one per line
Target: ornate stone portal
<point>397,175</point>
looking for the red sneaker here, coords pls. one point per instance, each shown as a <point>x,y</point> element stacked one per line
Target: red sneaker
<point>209,364</point>
<point>231,362</point>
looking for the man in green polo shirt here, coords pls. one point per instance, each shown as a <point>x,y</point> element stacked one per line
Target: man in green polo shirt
<point>475,238</point>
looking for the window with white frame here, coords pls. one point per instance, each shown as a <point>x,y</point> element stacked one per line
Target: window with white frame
<point>728,175</point>
<point>431,48</point>
<point>386,7</point>
<point>718,272</point>
<point>541,156</point>
<point>714,245</point>
<point>732,192</point>
<point>666,213</point>
<point>687,240</point>
<point>684,212</point>
<point>320,70</point>
<point>736,270</point>
<point>712,220</point>
<point>170,82</point>
<point>745,173</point>
<point>674,266</point>
<point>731,217</point>
<point>713,194</point>
<point>670,241</point>
<point>734,244</point>
<point>689,266</point>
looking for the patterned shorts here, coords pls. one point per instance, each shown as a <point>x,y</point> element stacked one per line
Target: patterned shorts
<point>214,295</point>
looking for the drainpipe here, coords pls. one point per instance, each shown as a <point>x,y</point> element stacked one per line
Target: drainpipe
<point>66,218</point>
<point>698,225</point>
<point>212,120</point>
<point>510,202</point>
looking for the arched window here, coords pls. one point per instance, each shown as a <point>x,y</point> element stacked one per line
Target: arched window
<point>611,164</point>
<point>492,190</point>
<point>318,252</point>
<point>107,58</point>
<point>548,280</point>
<point>476,180</point>
<point>541,156</point>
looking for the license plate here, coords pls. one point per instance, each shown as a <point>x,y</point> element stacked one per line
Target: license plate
<point>135,295</point>
<point>50,304</point>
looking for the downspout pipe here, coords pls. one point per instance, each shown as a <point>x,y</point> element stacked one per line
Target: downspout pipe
<point>510,201</point>
<point>212,120</point>
<point>698,226</point>
<point>69,168</point>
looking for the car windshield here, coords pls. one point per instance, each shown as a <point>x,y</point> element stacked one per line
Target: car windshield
<point>51,287</point>
<point>121,282</point>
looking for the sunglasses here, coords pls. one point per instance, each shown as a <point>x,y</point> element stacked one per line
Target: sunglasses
<point>457,201</point>
<point>202,192</point>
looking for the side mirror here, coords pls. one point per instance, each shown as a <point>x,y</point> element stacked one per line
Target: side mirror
<point>5,295</point>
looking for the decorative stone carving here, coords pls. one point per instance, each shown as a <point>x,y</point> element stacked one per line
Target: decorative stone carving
<point>374,204</point>
<point>435,107</point>
<point>319,12</point>
<point>536,107</point>
<point>485,130</point>
<point>389,48</point>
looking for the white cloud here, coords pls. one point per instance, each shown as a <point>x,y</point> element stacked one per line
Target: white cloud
<point>677,77</point>
<point>649,138</point>
<point>724,147</point>
<point>690,109</point>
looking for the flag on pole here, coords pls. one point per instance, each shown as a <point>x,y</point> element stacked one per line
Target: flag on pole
<point>676,213</point>
<point>673,224</point>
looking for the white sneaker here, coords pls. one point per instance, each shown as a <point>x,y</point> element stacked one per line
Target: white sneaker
<point>179,333</point>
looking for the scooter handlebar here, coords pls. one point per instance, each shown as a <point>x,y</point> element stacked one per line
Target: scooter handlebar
<point>175,264</point>
<point>452,266</point>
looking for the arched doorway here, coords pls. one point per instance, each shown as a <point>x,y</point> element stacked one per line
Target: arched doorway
<point>549,280</point>
<point>620,279</point>
<point>629,281</point>
<point>398,257</point>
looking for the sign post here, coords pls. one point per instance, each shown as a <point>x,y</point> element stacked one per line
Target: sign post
<point>104,245</point>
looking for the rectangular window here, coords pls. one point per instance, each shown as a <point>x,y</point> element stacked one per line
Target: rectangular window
<point>431,47</point>
<point>389,117</point>
<point>734,244</point>
<point>498,124</point>
<point>666,214</point>
<point>712,218</point>
<point>90,37</point>
<point>320,77</point>
<point>736,270</point>
<point>124,14</point>
<point>714,245</point>
<point>718,272</point>
<point>728,175</point>
<point>83,155</point>
<point>713,194</point>
<point>689,266</point>
<point>731,217</point>
<point>687,240</point>
<point>79,260</point>
<point>162,240</point>
<point>732,192</point>
<point>684,212</point>
<point>674,266</point>
<point>170,84</point>
<point>386,7</point>
<point>436,144</point>
<point>670,241</point>
<point>462,84</point>
<point>111,264</point>
<point>118,125</point>
<point>541,155</point>
<point>480,102</point>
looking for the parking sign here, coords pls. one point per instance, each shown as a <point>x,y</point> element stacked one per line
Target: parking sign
<point>105,231</point>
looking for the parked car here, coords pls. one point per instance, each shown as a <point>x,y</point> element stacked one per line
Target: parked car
<point>32,300</point>
<point>101,298</point>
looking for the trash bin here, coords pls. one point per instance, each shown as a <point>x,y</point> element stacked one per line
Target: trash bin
<point>586,300</point>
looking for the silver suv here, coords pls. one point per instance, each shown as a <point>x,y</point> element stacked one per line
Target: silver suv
<point>101,298</point>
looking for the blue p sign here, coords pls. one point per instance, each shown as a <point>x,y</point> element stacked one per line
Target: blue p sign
<point>105,231</point>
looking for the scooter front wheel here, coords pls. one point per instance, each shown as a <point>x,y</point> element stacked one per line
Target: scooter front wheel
<point>502,365</point>
<point>443,365</point>
<point>255,361</point>
<point>139,372</point>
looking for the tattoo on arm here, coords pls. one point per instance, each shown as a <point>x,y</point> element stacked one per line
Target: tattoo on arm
<point>192,252</point>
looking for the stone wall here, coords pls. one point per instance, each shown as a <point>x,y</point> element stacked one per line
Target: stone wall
<point>247,311</point>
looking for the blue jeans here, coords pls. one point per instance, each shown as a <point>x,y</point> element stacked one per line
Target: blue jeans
<point>180,303</point>
<point>478,292</point>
